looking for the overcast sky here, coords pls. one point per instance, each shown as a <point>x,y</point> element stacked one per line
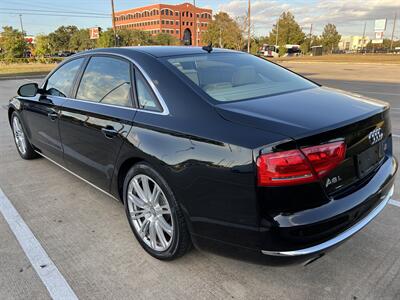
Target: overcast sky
<point>348,15</point>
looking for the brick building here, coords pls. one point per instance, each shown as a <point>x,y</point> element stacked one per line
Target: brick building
<point>177,20</point>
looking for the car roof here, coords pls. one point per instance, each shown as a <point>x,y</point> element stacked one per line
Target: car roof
<point>162,51</point>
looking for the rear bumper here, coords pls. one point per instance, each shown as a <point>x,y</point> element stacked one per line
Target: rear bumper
<point>338,239</point>
<point>315,230</point>
<point>287,238</point>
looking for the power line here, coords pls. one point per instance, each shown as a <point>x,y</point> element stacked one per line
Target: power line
<point>18,10</point>
<point>42,5</point>
<point>59,15</point>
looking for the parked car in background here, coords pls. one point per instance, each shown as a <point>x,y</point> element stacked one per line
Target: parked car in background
<point>213,147</point>
<point>269,50</point>
<point>65,53</point>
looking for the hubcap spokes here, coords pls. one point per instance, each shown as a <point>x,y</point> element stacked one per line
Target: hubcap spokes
<point>150,212</point>
<point>19,135</point>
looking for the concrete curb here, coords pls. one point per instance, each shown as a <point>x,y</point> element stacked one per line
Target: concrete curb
<point>15,77</point>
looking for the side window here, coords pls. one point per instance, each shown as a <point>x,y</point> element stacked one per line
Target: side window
<point>145,95</point>
<point>106,80</point>
<point>61,81</point>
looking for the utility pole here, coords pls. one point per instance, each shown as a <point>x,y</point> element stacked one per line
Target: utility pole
<point>277,32</point>
<point>363,38</point>
<point>220,37</point>
<point>249,26</point>
<point>195,23</point>
<point>22,26</point>
<point>113,23</point>
<point>394,28</point>
<point>310,36</point>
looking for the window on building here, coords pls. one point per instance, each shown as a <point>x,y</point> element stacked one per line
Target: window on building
<point>177,31</point>
<point>177,23</point>
<point>177,14</point>
<point>162,22</point>
<point>162,12</point>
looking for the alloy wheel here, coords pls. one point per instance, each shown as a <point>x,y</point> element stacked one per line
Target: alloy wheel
<point>150,212</point>
<point>19,135</point>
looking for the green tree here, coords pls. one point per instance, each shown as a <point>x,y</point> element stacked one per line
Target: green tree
<point>59,39</point>
<point>80,40</point>
<point>309,42</point>
<point>12,43</point>
<point>42,45</point>
<point>330,37</point>
<point>128,37</point>
<point>106,39</point>
<point>125,37</point>
<point>224,32</point>
<point>287,30</point>
<point>165,39</point>
<point>257,43</point>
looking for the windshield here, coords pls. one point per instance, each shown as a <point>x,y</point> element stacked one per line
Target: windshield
<point>236,76</point>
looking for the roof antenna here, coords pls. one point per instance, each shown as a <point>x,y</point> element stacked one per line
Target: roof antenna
<point>208,48</point>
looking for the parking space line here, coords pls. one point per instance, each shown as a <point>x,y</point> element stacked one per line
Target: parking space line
<point>51,277</point>
<point>394,202</point>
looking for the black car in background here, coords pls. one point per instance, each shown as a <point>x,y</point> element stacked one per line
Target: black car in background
<point>216,147</point>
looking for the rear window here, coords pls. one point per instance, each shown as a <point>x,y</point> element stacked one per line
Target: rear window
<point>235,76</point>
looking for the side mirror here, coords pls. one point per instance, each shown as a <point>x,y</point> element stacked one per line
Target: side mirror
<point>28,90</point>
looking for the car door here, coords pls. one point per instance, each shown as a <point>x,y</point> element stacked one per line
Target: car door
<point>41,113</point>
<point>95,123</point>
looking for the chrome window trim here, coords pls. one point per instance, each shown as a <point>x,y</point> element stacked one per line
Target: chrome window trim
<point>341,237</point>
<point>165,110</point>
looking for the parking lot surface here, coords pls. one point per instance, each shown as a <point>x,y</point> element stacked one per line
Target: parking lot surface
<point>86,235</point>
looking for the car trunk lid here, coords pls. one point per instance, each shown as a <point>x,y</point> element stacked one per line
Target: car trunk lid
<point>320,115</point>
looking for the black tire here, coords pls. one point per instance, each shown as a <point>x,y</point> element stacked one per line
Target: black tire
<point>29,151</point>
<point>180,241</point>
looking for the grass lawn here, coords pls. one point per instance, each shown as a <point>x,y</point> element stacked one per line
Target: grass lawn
<point>41,68</point>
<point>25,69</point>
<point>345,58</point>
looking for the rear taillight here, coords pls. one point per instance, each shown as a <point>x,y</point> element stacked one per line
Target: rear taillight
<point>299,166</point>
<point>325,158</point>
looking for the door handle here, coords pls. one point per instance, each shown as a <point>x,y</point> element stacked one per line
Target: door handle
<point>109,132</point>
<point>52,115</point>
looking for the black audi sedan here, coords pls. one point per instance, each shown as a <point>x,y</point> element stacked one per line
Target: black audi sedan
<point>213,147</point>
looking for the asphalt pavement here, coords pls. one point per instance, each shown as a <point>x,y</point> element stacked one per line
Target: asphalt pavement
<point>86,235</point>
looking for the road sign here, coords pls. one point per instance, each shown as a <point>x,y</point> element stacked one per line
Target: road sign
<point>379,35</point>
<point>94,33</point>
<point>380,25</point>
